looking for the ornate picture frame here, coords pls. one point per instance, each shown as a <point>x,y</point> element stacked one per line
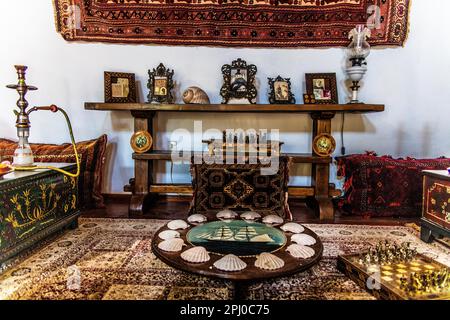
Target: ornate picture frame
<point>238,81</point>
<point>160,85</point>
<point>280,91</point>
<point>323,86</point>
<point>120,87</point>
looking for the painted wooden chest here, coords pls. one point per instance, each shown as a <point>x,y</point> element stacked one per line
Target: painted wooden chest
<point>34,204</point>
<point>436,205</point>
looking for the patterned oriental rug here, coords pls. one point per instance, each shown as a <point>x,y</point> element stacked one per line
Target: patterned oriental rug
<point>232,23</point>
<point>111,259</point>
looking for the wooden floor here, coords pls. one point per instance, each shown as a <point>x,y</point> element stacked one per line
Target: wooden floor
<point>177,207</point>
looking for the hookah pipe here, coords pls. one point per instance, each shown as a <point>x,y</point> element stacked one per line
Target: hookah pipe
<point>23,126</point>
<point>53,108</point>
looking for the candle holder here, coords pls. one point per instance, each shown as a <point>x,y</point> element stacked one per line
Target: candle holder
<point>23,156</point>
<point>357,52</point>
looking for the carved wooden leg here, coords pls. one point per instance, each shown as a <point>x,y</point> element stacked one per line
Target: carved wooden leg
<point>138,204</point>
<point>74,224</point>
<point>143,169</point>
<point>426,234</point>
<point>320,174</point>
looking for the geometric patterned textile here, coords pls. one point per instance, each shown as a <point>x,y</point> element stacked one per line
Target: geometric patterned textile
<point>108,259</point>
<point>240,187</point>
<point>384,186</point>
<point>232,23</point>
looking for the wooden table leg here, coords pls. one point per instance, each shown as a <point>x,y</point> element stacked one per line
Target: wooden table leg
<point>143,169</point>
<point>321,172</point>
<point>240,290</point>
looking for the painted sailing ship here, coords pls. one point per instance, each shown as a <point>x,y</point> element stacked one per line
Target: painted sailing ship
<point>244,234</point>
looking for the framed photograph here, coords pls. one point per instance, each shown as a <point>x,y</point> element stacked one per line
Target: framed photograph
<point>160,85</point>
<point>323,87</point>
<point>280,91</point>
<point>238,81</point>
<point>120,87</point>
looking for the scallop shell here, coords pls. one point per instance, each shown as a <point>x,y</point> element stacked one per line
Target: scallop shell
<point>168,234</point>
<point>273,219</point>
<point>292,227</point>
<point>177,224</point>
<point>171,245</point>
<point>197,218</point>
<point>303,239</point>
<point>196,255</point>
<point>299,251</point>
<point>230,263</point>
<point>268,261</point>
<point>250,216</point>
<point>195,95</point>
<point>226,214</point>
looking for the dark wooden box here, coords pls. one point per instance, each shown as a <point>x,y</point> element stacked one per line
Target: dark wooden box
<point>436,205</point>
<point>34,204</point>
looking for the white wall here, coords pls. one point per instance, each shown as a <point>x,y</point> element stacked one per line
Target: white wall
<point>412,82</point>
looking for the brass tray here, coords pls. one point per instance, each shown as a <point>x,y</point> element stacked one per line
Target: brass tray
<point>383,281</point>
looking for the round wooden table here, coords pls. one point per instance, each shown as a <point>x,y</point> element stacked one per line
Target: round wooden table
<point>240,279</point>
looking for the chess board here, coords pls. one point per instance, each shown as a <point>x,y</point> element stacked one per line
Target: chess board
<point>384,281</point>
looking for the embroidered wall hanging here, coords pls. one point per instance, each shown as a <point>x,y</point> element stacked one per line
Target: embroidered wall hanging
<point>232,23</point>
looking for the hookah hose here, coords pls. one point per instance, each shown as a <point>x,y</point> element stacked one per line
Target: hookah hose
<point>55,109</point>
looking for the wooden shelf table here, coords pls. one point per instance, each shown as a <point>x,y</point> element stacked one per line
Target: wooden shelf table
<point>319,194</point>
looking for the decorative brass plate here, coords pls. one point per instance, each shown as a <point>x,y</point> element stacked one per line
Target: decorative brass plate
<point>324,145</point>
<point>141,141</point>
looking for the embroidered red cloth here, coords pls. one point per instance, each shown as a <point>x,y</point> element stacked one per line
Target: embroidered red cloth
<point>384,186</point>
<point>232,23</point>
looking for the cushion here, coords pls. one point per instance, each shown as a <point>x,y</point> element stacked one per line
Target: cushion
<point>383,186</point>
<point>92,156</point>
<point>240,187</point>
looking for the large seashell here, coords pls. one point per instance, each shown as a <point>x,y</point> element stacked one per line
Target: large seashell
<point>226,214</point>
<point>197,218</point>
<point>230,263</point>
<point>292,227</point>
<point>250,216</point>
<point>168,234</point>
<point>299,251</point>
<point>272,219</point>
<point>171,245</point>
<point>268,261</point>
<point>196,255</point>
<point>195,95</point>
<point>303,239</point>
<point>177,225</point>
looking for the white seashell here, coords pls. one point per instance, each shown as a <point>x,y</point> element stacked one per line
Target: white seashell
<point>197,218</point>
<point>177,224</point>
<point>226,214</point>
<point>230,263</point>
<point>196,255</point>
<point>171,245</point>
<point>250,216</point>
<point>292,227</point>
<point>299,251</point>
<point>269,261</point>
<point>195,95</point>
<point>303,239</point>
<point>273,219</point>
<point>168,234</point>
